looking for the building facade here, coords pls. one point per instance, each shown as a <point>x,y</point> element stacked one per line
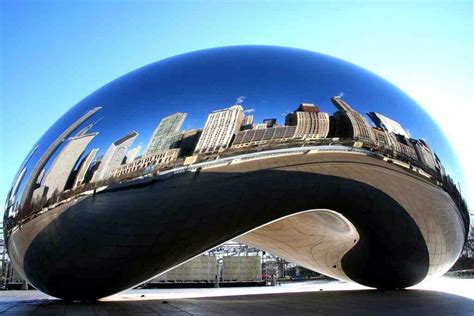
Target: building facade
<point>349,123</point>
<point>382,138</point>
<point>31,181</point>
<point>220,128</point>
<point>114,156</point>
<point>263,136</point>
<point>62,167</point>
<point>402,147</point>
<point>165,133</point>
<point>425,154</point>
<point>188,141</point>
<point>309,122</point>
<point>153,160</point>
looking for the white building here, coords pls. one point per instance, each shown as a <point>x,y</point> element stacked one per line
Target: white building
<point>113,158</point>
<point>220,127</point>
<point>309,122</point>
<point>32,178</point>
<point>312,125</point>
<point>61,169</point>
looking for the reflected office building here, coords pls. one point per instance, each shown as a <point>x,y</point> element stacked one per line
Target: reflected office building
<point>305,156</point>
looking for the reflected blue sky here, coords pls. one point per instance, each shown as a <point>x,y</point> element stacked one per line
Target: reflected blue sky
<point>273,80</point>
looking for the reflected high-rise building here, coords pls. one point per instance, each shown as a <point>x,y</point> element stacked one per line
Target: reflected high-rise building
<point>62,167</point>
<point>84,167</point>
<point>113,158</point>
<point>402,146</point>
<point>387,124</point>
<point>349,123</point>
<point>309,122</point>
<point>439,166</point>
<point>424,153</point>
<point>30,185</point>
<point>220,127</point>
<point>165,133</point>
<point>132,154</point>
<point>11,205</point>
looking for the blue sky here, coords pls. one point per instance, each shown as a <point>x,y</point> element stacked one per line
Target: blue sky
<point>53,54</point>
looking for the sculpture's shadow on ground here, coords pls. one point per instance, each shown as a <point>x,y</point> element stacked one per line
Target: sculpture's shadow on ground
<point>346,302</point>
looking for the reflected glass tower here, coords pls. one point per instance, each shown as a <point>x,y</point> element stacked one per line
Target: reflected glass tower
<point>165,133</point>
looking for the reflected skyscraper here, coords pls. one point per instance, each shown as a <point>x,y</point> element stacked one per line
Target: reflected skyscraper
<point>309,122</point>
<point>424,153</point>
<point>11,205</point>
<point>41,163</point>
<point>62,167</point>
<point>165,133</point>
<point>350,123</point>
<point>221,126</point>
<point>402,146</point>
<point>113,158</point>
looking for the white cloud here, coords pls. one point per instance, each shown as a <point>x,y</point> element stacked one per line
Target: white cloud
<point>240,99</point>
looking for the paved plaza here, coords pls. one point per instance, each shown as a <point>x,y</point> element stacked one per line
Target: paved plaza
<point>437,297</point>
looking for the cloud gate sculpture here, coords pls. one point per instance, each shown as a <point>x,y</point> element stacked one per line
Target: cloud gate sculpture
<point>299,154</point>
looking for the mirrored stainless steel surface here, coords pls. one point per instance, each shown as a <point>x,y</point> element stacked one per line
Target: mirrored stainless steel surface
<point>298,153</point>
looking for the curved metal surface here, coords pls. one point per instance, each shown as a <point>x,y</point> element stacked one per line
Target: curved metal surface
<point>315,239</point>
<point>159,165</point>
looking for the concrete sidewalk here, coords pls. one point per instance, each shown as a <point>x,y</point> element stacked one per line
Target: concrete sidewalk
<point>301,298</point>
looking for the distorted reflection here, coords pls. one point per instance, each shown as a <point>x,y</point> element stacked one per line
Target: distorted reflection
<point>129,163</point>
<point>227,132</point>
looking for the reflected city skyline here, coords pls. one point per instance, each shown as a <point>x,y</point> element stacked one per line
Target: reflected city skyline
<point>227,132</point>
<point>234,142</point>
